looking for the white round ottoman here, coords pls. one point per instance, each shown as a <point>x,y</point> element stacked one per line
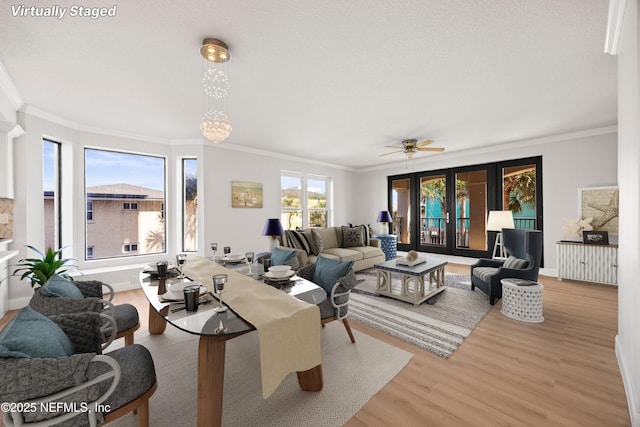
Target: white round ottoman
<point>522,300</point>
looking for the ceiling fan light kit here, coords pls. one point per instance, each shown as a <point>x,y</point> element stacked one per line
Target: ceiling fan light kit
<point>215,124</point>
<point>411,146</point>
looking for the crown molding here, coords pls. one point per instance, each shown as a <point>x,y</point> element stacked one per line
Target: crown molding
<point>6,84</point>
<point>510,145</point>
<point>53,118</point>
<point>615,22</point>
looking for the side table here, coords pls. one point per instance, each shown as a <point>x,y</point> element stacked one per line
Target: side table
<point>520,302</point>
<point>389,243</point>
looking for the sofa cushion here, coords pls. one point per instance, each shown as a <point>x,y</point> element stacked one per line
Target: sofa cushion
<point>368,251</point>
<point>318,241</point>
<point>352,236</point>
<point>58,286</point>
<point>300,240</point>
<point>32,334</point>
<point>329,238</point>
<point>328,271</point>
<point>366,233</point>
<point>345,254</point>
<point>516,263</point>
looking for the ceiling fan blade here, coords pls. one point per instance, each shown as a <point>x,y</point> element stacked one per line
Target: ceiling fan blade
<point>439,149</point>
<point>392,152</point>
<point>394,146</point>
<point>423,143</point>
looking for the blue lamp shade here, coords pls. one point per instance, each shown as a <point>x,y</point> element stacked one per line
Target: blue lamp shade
<point>384,216</point>
<point>273,228</point>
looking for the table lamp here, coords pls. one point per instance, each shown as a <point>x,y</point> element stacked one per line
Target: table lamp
<point>496,222</point>
<point>273,229</point>
<point>385,218</point>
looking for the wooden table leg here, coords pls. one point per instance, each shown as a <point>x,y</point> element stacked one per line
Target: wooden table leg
<point>311,380</point>
<point>211,352</point>
<point>157,323</point>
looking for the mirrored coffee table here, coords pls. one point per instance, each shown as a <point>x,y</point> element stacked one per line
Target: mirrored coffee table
<point>415,285</point>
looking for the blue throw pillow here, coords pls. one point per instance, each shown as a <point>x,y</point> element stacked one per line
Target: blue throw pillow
<point>58,286</point>
<point>31,334</point>
<point>281,256</point>
<point>328,271</point>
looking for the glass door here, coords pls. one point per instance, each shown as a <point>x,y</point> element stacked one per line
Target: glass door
<point>433,227</point>
<point>471,201</point>
<point>401,197</point>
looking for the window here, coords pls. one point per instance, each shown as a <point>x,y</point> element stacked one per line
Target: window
<point>189,205</point>
<point>89,211</point>
<point>51,185</point>
<point>304,200</point>
<point>125,197</point>
<point>130,247</point>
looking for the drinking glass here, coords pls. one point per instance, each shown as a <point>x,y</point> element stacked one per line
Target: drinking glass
<point>180,260</point>
<point>219,282</point>
<point>214,248</point>
<point>250,256</point>
<point>227,250</point>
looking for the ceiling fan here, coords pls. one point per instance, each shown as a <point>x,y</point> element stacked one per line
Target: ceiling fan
<point>411,146</point>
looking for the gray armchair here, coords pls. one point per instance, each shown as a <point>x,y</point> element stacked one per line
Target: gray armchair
<point>525,254</point>
<point>125,315</point>
<point>336,306</point>
<point>86,388</point>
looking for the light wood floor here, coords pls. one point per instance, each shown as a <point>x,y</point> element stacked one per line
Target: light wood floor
<point>562,372</point>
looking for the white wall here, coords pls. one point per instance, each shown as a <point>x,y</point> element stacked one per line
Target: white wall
<point>628,339</point>
<point>218,166</point>
<point>568,163</point>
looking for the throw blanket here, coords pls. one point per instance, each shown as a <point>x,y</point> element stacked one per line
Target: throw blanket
<point>289,329</point>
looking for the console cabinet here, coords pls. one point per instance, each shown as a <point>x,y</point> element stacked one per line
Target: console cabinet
<point>589,263</point>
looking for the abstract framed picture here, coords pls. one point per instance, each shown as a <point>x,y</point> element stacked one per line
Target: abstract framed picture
<point>245,194</point>
<point>600,204</point>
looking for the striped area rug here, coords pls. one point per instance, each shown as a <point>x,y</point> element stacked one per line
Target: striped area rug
<point>438,326</point>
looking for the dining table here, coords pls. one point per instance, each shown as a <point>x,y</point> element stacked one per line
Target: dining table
<point>216,328</point>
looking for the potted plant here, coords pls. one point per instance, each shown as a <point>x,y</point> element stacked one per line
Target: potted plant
<point>39,270</point>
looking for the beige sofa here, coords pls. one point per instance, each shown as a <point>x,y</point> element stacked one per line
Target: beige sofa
<point>331,244</point>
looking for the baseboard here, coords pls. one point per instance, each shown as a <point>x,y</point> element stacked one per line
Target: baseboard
<point>629,388</point>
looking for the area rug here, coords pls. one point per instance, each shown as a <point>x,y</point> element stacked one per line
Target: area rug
<point>438,325</point>
<point>353,373</point>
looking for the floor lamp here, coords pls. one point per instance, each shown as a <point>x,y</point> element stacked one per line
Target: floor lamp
<point>496,222</point>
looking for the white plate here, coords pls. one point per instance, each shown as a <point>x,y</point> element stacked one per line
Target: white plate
<point>270,276</point>
<point>233,258</point>
<point>174,292</point>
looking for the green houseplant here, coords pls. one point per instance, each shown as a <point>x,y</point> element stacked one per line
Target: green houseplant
<point>39,270</point>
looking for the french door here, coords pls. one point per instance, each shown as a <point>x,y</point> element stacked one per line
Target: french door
<point>445,211</point>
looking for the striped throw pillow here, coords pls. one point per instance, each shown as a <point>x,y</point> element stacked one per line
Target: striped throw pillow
<point>517,263</point>
<point>300,240</point>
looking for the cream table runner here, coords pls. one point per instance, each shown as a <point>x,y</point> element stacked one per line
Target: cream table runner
<point>289,329</point>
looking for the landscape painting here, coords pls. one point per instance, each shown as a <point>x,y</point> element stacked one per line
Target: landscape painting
<point>246,194</point>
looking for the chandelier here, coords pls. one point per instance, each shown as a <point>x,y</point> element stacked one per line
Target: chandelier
<point>215,124</point>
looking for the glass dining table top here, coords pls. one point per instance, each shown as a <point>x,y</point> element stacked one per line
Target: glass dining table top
<point>206,321</point>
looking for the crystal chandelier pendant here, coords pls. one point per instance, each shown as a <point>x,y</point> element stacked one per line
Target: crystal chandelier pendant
<point>215,124</point>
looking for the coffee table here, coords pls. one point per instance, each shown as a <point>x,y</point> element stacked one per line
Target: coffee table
<point>412,286</point>
<point>215,329</point>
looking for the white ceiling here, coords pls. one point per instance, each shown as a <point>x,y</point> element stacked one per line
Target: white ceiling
<point>329,80</point>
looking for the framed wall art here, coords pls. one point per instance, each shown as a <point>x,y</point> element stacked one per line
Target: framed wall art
<point>595,237</point>
<point>245,194</point>
<point>601,204</point>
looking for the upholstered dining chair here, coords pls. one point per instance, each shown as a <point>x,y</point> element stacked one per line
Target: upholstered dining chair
<point>337,278</point>
<point>525,255</point>
<point>55,368</point>
<point>59,295</point>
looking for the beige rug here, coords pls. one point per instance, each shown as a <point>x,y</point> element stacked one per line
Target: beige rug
<point>353,373</point>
